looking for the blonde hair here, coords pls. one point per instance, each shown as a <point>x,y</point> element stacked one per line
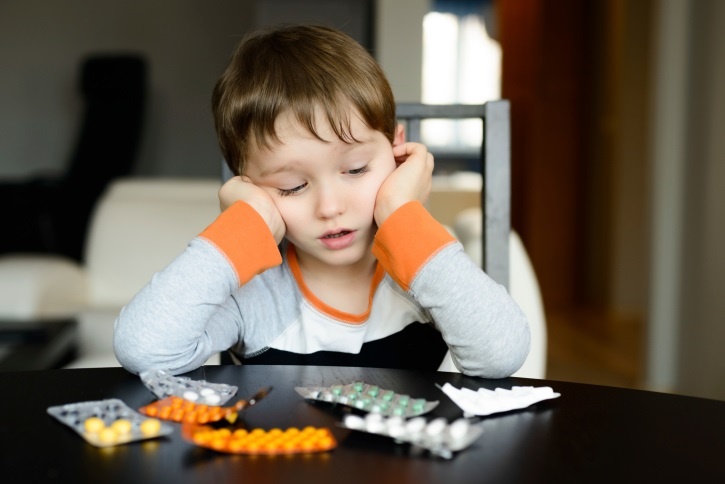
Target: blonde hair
<point>297,69</point>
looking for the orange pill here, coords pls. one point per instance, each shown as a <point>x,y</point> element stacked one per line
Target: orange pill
<point>165,413</point>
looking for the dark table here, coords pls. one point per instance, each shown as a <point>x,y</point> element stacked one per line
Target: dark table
<point>589,434</point>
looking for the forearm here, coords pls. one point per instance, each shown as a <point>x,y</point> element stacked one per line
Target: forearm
<point>176,321</point>
<point>484,328</point>
<point>482,325</point>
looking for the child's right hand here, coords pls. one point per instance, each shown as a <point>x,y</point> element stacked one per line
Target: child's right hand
<point>241,188</point>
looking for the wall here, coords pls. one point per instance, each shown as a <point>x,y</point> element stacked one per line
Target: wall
<point>701,368</point>
<point>399,45</point>
<point>688,263</point>
<point>187,43</point>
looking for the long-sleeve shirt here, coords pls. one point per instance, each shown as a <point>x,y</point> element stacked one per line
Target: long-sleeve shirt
<point>233,288</point>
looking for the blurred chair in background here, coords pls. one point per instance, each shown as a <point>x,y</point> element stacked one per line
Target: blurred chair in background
<point>50,214</point>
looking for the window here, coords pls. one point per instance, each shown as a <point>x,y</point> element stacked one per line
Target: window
<point>461,64</point>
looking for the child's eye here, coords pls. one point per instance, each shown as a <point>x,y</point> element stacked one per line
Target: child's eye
<point>283,192</point>
<point>359,171</point>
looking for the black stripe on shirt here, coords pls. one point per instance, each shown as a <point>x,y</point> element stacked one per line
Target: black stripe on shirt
<point>419,346</point>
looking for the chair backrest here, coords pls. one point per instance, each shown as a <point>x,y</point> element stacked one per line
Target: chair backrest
<point>495,170</point>
<point>495,167</point>
<point>138,227</point>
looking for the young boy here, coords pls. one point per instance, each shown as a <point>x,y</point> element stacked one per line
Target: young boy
<point>323,253</point>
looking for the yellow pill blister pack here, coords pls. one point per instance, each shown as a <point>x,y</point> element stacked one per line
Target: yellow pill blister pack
<point>259,441</point>
<point>105,423</point>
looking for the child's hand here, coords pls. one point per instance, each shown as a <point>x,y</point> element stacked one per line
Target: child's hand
<point>241,188</point>
<point>411,180</point>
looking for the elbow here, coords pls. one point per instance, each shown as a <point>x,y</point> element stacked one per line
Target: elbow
<point>130,359</point>
<point>502,356</point>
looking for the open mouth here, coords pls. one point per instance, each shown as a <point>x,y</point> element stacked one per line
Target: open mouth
<point>337,235</point>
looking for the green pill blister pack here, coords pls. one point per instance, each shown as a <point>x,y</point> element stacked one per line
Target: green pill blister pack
<point>370,398</point>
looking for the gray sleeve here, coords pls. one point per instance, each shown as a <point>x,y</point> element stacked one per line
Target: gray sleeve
<point>485,330</point>
<point>182,316</point>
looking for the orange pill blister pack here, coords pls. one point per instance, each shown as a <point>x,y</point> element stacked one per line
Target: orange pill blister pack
<point>260,441</point>
<point>109,422</point>
<point>177,409</point>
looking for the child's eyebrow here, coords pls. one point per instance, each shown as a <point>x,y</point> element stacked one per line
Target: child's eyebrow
<point>274,171</point>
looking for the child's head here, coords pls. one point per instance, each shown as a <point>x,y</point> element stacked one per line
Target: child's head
<point>298,70</point>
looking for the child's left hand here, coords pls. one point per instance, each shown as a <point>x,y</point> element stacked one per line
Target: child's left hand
<point>411,180</point>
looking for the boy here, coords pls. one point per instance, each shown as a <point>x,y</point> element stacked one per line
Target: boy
<point>323,253</point>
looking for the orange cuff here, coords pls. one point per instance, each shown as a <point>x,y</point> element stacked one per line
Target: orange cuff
<point>242,235</point>
<point>407,240</point>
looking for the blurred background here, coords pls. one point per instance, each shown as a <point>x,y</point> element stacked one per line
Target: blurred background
<point>618,153</point>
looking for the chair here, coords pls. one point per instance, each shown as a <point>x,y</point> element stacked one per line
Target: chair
<point>485,230</point>
<point>138,226</point>
<point>495,171</point>
<point>50,214</point>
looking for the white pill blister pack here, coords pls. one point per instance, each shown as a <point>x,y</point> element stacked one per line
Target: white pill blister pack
<point>163,385</point>
<point>109,422</point>
<point>438,436</point>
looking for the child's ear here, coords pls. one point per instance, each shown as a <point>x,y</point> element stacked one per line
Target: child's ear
<point>399,137</point>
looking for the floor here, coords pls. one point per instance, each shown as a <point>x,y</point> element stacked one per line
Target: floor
<point>588,346</point>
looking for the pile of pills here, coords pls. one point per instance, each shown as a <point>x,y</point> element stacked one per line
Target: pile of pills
<point>437,436</point>
<point>260,441</point>
<point>177,409</point>
<point>109,422</point>
<point>369,398</point>
<point>165,385</point>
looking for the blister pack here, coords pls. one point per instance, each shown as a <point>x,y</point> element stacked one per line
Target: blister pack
<point>104,423</point>
<point>437,436</point>
<point>163,385</point>
<point>177,409</point>
<point>260,441</point>
<point>369,398</point>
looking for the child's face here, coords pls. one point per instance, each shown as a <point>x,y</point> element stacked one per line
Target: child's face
<point>325,190</point>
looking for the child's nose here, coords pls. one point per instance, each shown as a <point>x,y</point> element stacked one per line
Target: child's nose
<point>330,201</point>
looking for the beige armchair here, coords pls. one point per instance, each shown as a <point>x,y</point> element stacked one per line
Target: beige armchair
<point>138,226</point>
